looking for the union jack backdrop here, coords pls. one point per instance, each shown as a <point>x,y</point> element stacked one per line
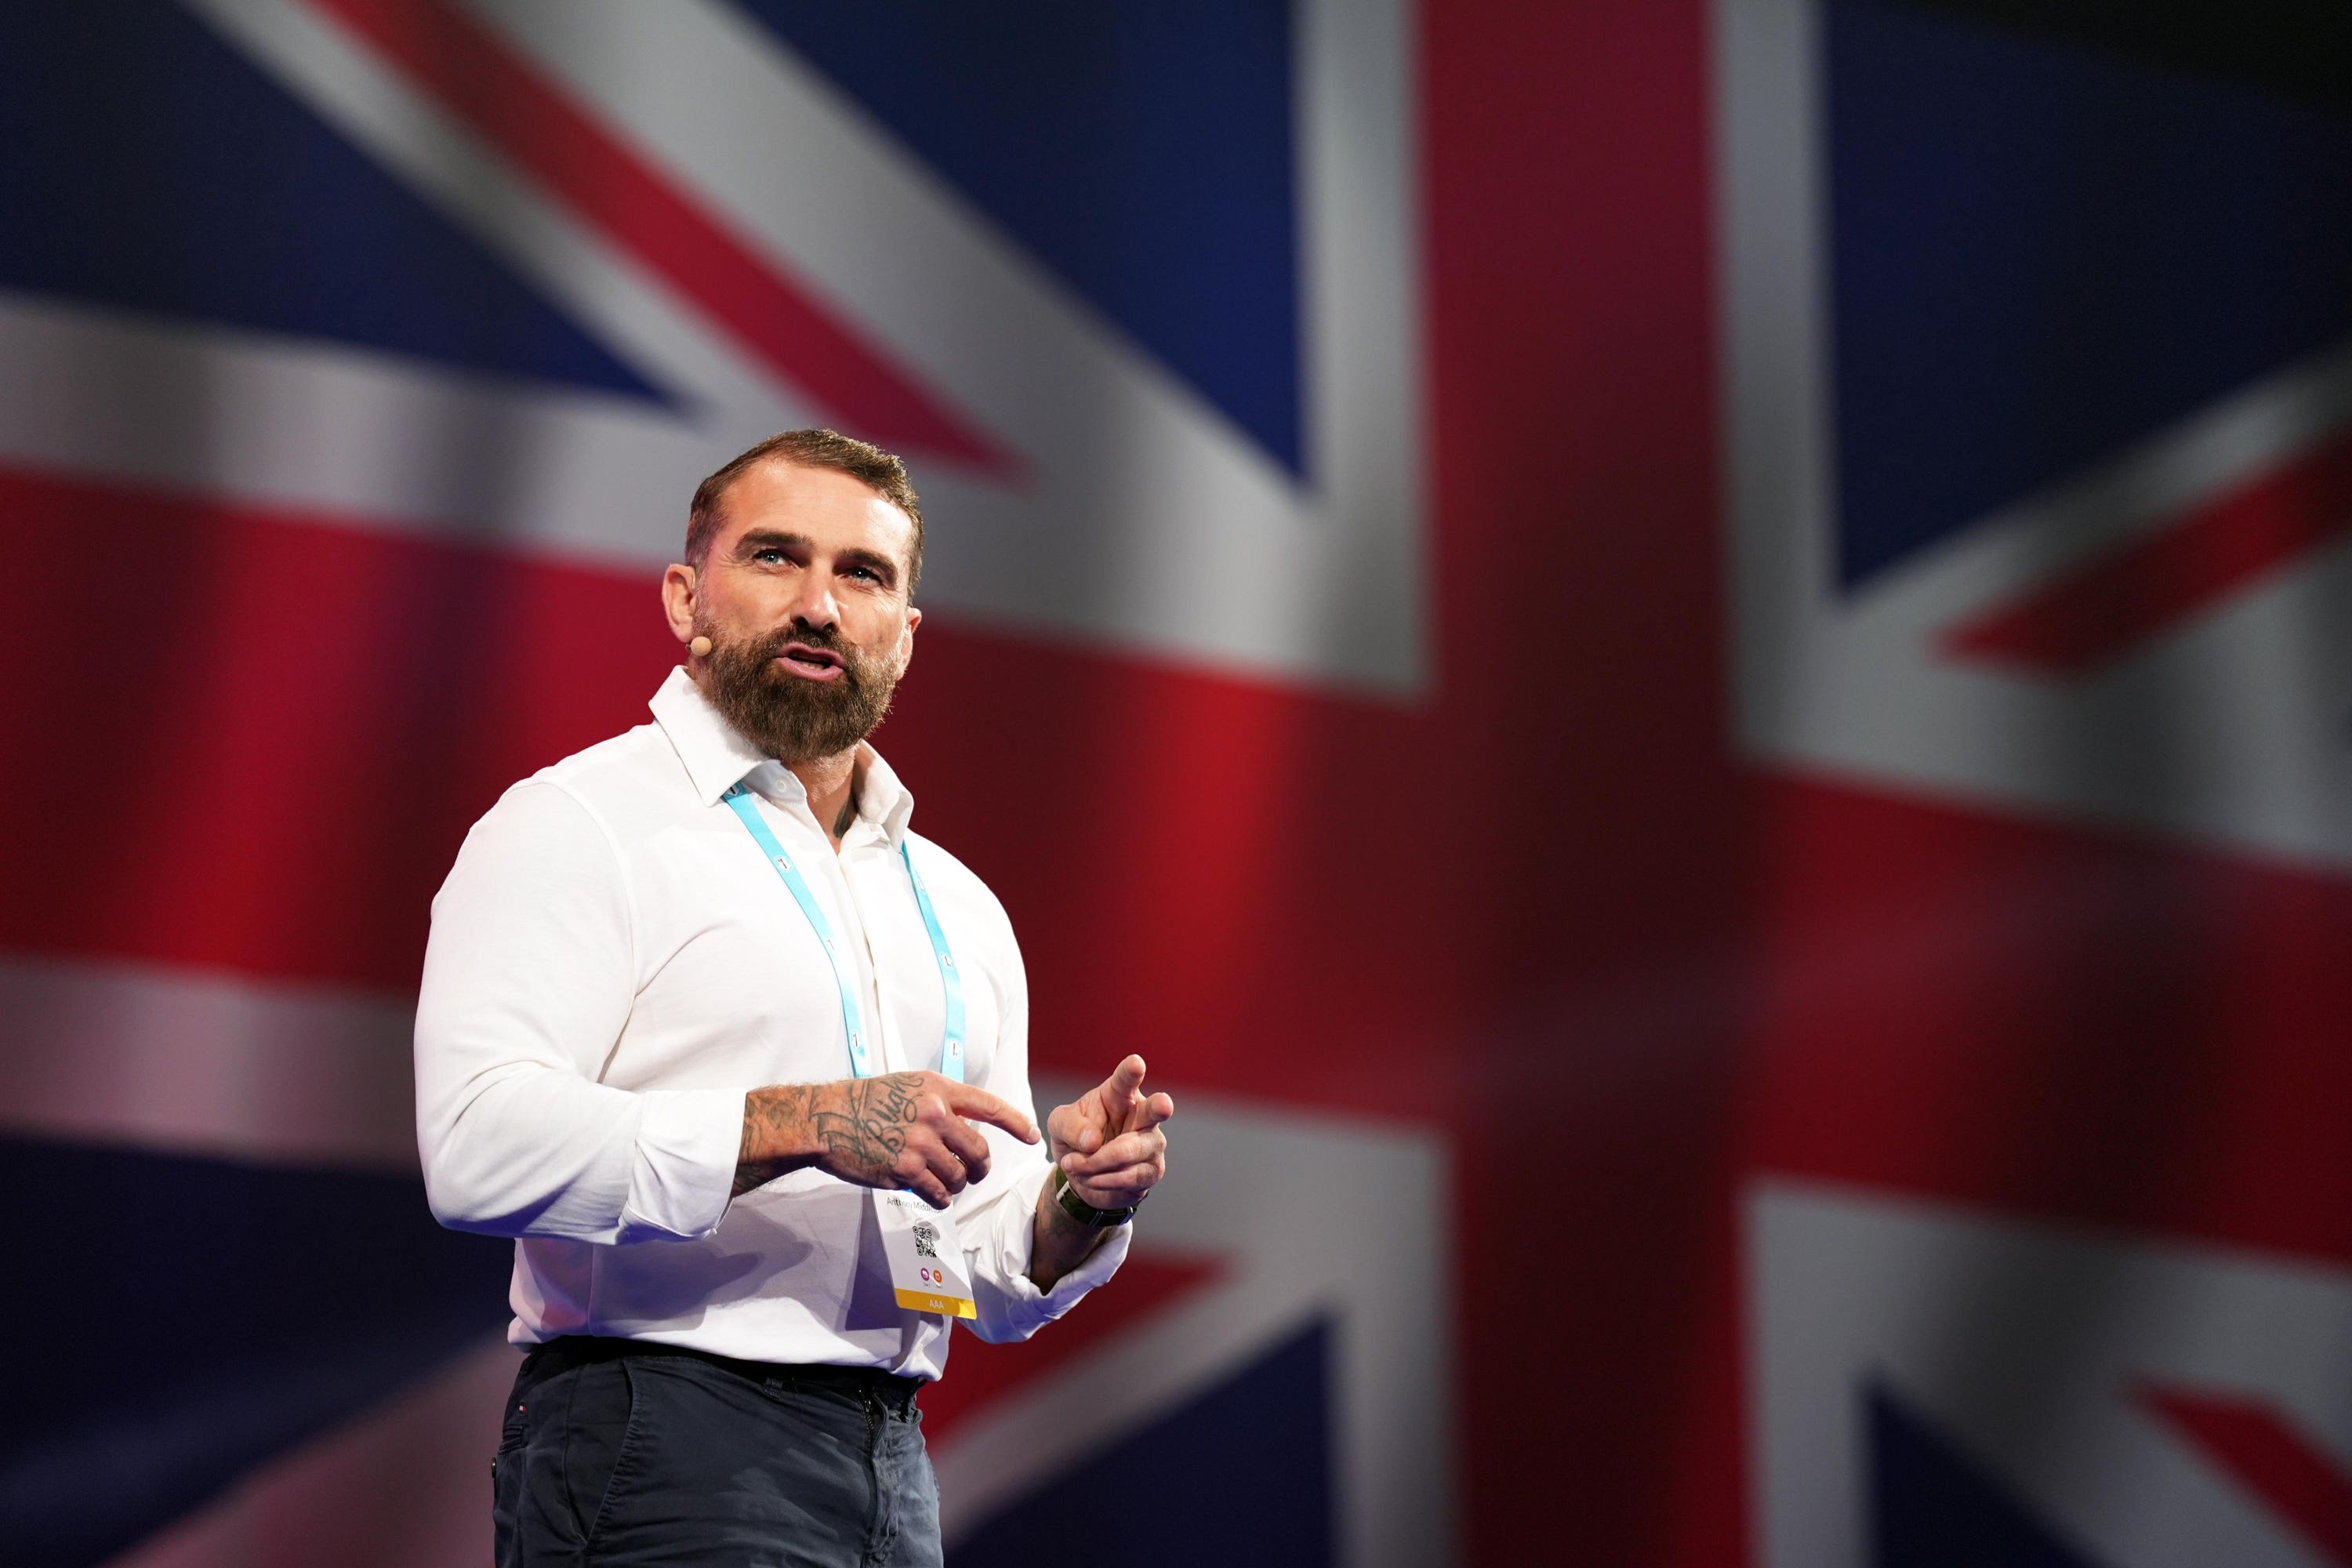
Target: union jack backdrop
<point>1682,664</point>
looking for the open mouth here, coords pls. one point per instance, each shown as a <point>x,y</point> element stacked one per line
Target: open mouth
<point>814,662</point>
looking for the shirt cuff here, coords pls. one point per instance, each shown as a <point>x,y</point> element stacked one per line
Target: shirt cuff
<point>683,1172</point>
<point>1009,1303</point>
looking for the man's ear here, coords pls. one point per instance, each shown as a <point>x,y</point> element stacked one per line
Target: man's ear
<point>906,638</point>
<point>679,585</point>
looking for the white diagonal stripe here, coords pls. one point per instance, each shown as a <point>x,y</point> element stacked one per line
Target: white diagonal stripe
<point>1142,517</point>
<point>200,1063</point>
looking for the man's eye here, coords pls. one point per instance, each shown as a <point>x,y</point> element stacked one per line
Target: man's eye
<point>864,572</point>
<point>768,554</point>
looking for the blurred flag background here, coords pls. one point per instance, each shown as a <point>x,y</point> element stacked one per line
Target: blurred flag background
<point>1682,663</point>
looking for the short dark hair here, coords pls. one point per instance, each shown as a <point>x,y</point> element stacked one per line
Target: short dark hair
<point>870,466</point>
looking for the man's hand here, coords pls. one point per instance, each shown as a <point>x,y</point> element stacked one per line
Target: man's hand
<point>1110,1142</point>
<point>902,1130</point>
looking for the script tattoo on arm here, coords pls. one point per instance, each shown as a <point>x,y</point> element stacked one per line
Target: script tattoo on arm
<point>867,1131</point>
<point>856,1130</point>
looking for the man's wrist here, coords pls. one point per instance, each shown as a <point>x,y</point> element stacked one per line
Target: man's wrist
<point>779,1133</point>
<point>1059,1243</point>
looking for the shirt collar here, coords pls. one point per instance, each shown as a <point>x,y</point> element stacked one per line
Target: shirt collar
<point>882,800</point>
<point>718,757</point>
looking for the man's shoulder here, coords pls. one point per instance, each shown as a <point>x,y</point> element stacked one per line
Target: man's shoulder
<point>622,782</point>
<point>573,819</point>
<point>624,760</point>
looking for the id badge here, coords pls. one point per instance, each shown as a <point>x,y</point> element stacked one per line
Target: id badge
<point>926,1259</point>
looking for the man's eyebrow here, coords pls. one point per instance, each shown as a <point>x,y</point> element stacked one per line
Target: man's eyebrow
<point>759,539</point>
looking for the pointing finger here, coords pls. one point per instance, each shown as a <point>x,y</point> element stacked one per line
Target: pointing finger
<point>983,1106</point>
<point>1125,1079</point>
<point>1151,1113</point>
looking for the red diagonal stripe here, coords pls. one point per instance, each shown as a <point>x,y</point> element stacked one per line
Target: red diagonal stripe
<point>534,122</point>
<point>1147,1284</point>
<point>2119,600</point>
<point>2270,1458</point>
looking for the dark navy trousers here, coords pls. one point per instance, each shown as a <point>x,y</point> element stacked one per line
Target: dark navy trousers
<point>620,1454</point>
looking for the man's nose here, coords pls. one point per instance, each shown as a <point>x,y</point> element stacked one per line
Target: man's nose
<point>815,606</point>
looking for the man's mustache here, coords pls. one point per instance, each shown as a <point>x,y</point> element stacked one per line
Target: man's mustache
<point>775,642</point>
<point>753,656</point>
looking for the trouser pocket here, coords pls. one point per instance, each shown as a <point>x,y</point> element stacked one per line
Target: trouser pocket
<point>603,1437</point>
<point>552,1486</point>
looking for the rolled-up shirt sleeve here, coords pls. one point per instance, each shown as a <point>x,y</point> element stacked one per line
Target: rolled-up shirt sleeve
<point>998,1244</point>
<point>530,974</point>
<point>996,1220</point>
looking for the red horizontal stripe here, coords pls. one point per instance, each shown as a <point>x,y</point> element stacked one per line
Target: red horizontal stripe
<point>535,122</point>
<point>2116,603</point>
<point>257,739</point>
<point>2048,1020</point>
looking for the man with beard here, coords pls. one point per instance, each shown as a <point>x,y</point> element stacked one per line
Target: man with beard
<point>741,1064</point>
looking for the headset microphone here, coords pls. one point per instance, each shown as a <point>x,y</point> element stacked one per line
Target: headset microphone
<point>700,647</point>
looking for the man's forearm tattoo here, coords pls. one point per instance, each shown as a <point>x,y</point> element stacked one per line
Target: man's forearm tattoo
<point>860,1128</point>
<point>1060,1243</point>
<point>1063,1223</point>
<point>771,1120</point>
<point>867,1131</point>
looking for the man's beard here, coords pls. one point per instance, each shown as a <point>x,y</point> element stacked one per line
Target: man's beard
<point>787,717</point>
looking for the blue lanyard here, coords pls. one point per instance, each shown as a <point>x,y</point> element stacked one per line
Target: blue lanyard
<point>861,1060</point>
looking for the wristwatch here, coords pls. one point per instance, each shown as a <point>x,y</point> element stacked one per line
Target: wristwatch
<point>1085,1213</point>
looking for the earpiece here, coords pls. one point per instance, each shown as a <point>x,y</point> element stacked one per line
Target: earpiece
<point>700,647</point>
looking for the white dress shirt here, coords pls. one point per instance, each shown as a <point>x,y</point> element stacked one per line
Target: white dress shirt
<point>614,964</point>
